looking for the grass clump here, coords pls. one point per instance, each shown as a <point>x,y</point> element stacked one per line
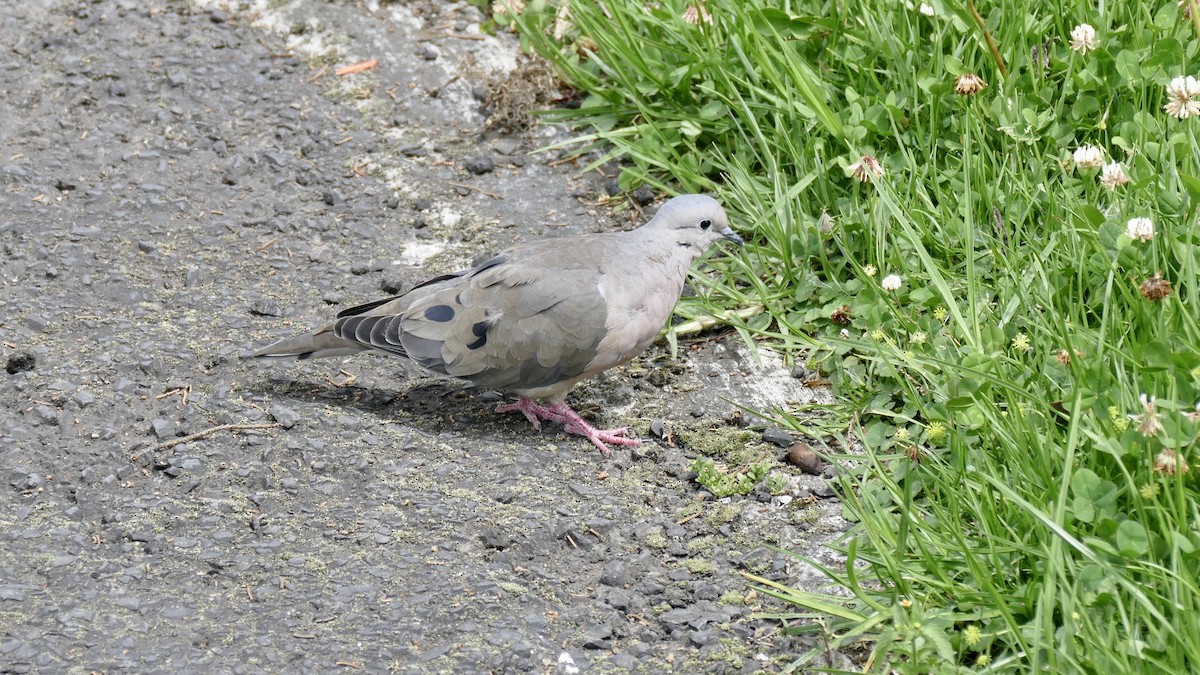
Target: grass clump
<point>981,222</point>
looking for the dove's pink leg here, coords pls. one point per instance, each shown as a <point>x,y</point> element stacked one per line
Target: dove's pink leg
<point>573,424</point>
<point>532,411</point>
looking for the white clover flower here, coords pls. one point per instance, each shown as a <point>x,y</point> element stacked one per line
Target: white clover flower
<point>825,222</point>
<point>1113,176</point>
<point>1170,462</point>
<point>869,270</point>
<point>562,22</point>
<point>926,9</point>
<point>1083,38</point>
<point>1193,416</point>
<point>866,168</point>
<point>1088,157</point>
<point>1183,91</point>
<point>1021,343</point>
<point>1156,288</point>
<point>1140,229</point>
<point>1148,424</point>
<point>695,14</point>
<point>501,7</point>
<point>969,84</point>
<point>891,282</point>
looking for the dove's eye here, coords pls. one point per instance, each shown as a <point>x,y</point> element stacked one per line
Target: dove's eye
<point>705,224</point>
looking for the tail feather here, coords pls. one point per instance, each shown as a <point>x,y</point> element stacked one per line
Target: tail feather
<point>319,344</point>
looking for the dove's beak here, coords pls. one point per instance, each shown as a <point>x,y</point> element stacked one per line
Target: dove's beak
<point>729,235</point>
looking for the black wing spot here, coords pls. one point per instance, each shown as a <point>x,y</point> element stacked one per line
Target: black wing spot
<point>479,330</point>
<point>440,313</point>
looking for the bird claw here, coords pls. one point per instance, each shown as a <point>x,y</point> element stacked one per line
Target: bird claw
<point>599,437</point>
<point>571,421</point>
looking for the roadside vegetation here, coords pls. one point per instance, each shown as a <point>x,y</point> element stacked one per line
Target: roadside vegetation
<point>980,224</point>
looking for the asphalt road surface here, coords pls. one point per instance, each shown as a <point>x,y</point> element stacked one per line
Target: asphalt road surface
<point>181,182</point>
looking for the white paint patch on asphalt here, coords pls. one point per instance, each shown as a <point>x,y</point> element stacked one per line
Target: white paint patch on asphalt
<point>449,217</point>
<point>417,252</point>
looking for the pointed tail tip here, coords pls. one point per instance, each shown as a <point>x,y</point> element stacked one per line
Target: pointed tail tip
<point>266,354</point>
<point>297,347</point>
<point>319,344</point>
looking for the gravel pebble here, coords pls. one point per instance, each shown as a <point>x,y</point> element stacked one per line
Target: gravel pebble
<point>659,428</point>
<point>266,307</point>
<point>777,436</point>
<point>427,51</point>
<point>163,429</point>
<point>394,283</point>
<point>480,165</point>
<point>643,195</point>
<point>20,362</point>
<point>284,415</point>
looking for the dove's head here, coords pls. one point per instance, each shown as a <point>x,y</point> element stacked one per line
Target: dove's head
<point>695,221</point>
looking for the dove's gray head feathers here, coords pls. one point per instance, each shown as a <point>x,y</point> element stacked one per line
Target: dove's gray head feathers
<point>695,220</point>
<point>540,316</point>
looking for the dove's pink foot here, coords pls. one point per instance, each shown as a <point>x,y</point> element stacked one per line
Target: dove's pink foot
<point>572,423</point>
<point>533,412</point>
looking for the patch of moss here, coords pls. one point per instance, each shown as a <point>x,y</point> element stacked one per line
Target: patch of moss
<point>759,566</point>
<point>733,445</point>
<point>655,539</point>
<point>636,368</point>
<point>804,513</point>
<point>734,653</point>
<point>315,565</point>
<point>698,565</point>
<point>511,588</point>
<point>732,598</point>
<point>691,510</point>
<point>638,475</point>
<point>701,544</point>
<point>722,514</point>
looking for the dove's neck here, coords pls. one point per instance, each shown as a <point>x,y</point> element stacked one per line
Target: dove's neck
<point>667,251</point>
